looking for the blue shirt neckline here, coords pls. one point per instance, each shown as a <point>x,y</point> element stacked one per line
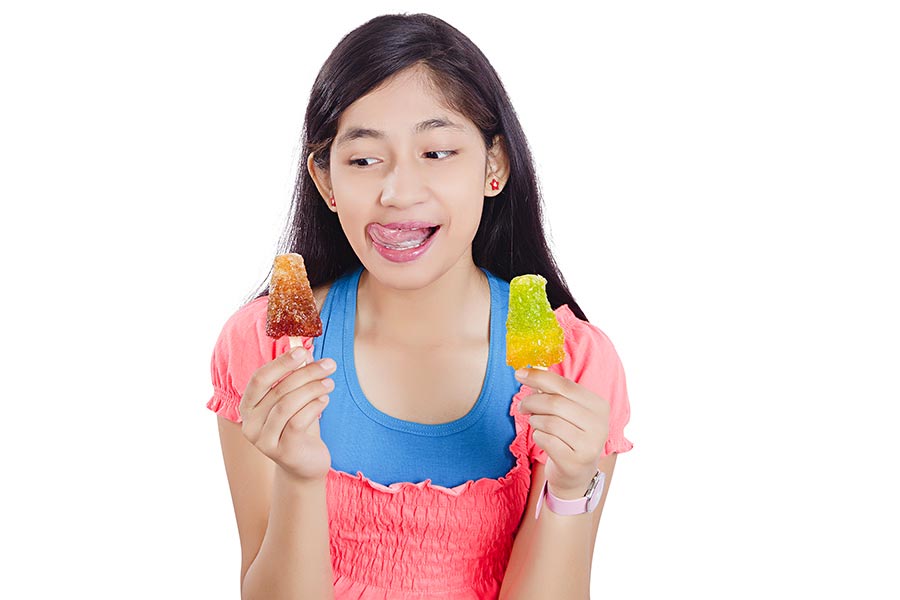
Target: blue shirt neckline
<point>441,429</point>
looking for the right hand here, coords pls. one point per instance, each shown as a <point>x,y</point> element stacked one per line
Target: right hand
<point>280,412</point>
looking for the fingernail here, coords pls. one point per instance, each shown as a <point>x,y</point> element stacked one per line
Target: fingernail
<point>521,374</point>
<point>299,354</point>
<point>328,384</point>
<point>327,364</point>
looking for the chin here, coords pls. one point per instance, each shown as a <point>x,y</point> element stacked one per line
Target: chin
<point>403,276</point>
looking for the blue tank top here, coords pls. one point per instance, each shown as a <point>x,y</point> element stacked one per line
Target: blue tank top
<point>387,450</point>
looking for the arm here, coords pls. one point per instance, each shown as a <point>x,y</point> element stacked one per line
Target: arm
<point>551,556</point>
<point>282,524</point>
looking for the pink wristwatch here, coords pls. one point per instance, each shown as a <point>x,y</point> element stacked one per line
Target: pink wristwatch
<point>574,507</point>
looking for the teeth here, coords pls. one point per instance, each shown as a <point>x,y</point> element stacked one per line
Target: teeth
<point>406,245</point>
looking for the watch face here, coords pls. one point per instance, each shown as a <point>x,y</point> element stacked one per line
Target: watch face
<point>597,493</point>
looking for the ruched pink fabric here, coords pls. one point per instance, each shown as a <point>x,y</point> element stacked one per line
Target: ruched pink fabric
<point>419,540</point>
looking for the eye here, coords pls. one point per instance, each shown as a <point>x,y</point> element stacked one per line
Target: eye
<point>355,162</point>
<point>447,152</point>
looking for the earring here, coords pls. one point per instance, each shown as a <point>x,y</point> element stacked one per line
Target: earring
<point>495,185</point>
<point>332,201</point>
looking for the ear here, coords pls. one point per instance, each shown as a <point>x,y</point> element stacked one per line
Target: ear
<point>322,179</point>
<point>496,167</point>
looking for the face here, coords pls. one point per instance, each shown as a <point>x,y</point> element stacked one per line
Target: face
<point>409,179</point>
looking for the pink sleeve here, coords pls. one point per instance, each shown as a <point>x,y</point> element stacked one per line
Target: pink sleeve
<point>592,361</point>
<point>242,347</point>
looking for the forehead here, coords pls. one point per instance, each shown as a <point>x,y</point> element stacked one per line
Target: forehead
<point>403,105</point>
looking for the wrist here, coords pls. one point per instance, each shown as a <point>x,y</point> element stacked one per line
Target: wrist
<point>568,493</point>
<point>562,502</point>
<point>298,485</point>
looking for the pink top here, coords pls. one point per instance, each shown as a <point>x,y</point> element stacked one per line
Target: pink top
<point>415,540</point>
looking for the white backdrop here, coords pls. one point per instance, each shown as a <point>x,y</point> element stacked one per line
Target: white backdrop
<point>718,179</point>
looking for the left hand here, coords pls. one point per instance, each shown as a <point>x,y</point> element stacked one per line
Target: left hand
<point>571,424</point>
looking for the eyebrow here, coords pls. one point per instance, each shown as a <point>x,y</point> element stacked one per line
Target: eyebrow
<point>356,133</point>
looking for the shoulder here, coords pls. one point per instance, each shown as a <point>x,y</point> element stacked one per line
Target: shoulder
<point>590,358</point>
<point>592,361</point>
<point>249,321</point>
<point>582,337</point>
<point>246,325</point>
<point>243,345</point>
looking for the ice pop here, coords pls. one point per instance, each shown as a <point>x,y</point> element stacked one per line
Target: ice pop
<point>533,335</point>
<point>292,308</point>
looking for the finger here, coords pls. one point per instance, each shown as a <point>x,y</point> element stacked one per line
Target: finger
<point>555,448</point>
<point>305,417</point>
<point>543,379</point>
<point>287,407</point>
<point>561,406</point>
<point>276,413</point>
<point>549,382</point>
<point>272,431</point>
<point>316,371</point>
<point>561,429</point>
<point>268,374</point>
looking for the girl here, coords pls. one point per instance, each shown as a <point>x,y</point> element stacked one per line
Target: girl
<point>406,459</point>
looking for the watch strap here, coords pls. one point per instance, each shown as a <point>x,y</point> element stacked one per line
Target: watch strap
<point>577,506</point>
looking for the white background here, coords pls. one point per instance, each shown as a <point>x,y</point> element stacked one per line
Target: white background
<point>719,180</point>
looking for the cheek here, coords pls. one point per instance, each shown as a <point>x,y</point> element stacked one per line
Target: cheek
<point>354,184</point>
<point>348,215</point>
<point>461,180</point>
<point>462,194</point>
<point>465,215</point>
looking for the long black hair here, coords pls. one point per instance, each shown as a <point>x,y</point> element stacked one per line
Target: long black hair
<point>510,240</point>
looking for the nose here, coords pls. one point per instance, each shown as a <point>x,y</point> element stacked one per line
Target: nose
<point>404,186</point>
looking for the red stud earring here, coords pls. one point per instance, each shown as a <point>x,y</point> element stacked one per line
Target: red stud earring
<point>332,201</point>
<point>495,185</point>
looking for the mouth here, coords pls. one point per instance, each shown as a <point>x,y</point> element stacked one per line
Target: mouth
<point>402,236</point>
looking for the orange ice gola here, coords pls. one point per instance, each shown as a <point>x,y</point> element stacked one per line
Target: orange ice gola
<point>533,335</point>
<point>292,309</point>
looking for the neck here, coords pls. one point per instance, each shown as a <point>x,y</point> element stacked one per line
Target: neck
<point>453,307</point>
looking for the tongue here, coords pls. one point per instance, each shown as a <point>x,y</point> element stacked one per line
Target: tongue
<point>384,235</point>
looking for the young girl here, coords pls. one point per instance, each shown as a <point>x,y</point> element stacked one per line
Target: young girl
<point>406,459</point>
